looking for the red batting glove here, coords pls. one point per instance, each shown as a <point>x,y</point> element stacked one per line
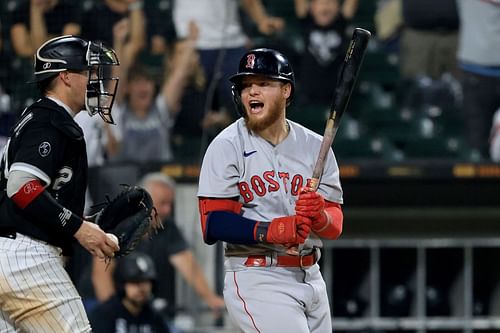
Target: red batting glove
<point>283,230</point>
<point>312,205</point>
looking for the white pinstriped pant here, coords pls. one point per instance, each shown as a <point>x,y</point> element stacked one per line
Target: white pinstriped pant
<point>36,293</point>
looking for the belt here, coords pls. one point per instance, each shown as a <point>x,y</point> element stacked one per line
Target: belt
<point>283,261</point>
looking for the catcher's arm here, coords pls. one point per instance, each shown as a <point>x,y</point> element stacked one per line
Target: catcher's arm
<point>29,195</point>
<point>94,240</point>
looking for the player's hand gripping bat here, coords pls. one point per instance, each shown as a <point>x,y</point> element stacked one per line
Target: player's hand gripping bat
<point>343,90</point>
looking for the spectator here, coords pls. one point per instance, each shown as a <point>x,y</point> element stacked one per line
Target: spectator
<point>7,116</point>
<point>36,21</point>
<point>130,309</point>
<point>102,138</point>
<point>99,22</point>
<point>388,24</point>
<point>160,27</point>
<point>145,120</point>
<point>429,38</point>
<point>221,44</point>
<point>168,246</point>
<point>478,51</point>
<point>323,24</point>
<point>495,138</point>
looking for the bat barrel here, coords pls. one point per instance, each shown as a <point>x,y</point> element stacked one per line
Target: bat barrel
<point>342,93</point>
<point>349,71</point>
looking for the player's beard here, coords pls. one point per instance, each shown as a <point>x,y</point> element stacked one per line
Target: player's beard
<point>274,114</point>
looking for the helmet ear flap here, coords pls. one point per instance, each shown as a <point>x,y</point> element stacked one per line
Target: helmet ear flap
<point>236,92</point>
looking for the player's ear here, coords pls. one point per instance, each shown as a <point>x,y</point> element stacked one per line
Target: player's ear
<point>64,77</point>
<point>287,90</point>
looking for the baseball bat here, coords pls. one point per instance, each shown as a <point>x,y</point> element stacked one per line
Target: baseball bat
<point>342,93</point>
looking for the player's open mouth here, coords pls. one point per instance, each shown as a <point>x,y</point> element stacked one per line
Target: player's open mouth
<point>256,106</point>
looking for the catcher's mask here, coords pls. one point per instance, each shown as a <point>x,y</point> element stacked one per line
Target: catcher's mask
<point>71,53</point>
<point>267,62</point>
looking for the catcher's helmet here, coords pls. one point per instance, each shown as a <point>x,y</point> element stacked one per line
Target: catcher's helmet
<point>263,61</point>
<point>135,267</point>
<point>71,53</point>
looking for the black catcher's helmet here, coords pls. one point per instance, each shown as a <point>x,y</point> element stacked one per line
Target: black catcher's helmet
<point>71,53</point>
<point>263,61</point>
<point>135,267</point>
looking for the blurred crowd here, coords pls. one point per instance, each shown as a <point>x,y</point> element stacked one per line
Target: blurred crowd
<point>431,71</point>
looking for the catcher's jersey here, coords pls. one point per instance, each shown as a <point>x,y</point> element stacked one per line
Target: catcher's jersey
<point>265,178</point>
<point>47,143</point>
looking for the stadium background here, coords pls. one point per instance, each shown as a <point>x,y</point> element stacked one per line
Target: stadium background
<point>420,244</point>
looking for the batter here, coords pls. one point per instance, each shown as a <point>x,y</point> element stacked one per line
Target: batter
<point>253,195</point>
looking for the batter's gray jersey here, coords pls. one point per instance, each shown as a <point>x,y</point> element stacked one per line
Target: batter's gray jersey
<point>266,178</point>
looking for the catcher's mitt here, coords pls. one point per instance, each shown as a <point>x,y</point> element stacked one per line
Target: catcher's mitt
<point>130,216</point>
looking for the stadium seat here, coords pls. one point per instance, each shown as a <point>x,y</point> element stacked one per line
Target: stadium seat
<point>365,147</point>
<point>364,17</point>
<point>311,117</point>
<point>380,67</point>
<point>187,149</point>
<point>436,147</point>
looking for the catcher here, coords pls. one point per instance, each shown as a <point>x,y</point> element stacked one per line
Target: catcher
<point>42,189</point>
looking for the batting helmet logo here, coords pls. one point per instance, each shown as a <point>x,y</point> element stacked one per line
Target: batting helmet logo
<point>46,65</point>
<point>250,61</point>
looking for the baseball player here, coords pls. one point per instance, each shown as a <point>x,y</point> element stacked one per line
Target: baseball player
<point>42,190</point>
<point>253,195</point>
<point>131,309</point>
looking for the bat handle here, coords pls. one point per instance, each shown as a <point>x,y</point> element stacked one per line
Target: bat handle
<point>312,185</point>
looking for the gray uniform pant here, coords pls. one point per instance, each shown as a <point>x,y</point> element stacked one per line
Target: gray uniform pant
<point>276,299</point>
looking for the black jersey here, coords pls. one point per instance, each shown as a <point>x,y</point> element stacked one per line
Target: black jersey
<point>47,143</point>
<point>113,317</point>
